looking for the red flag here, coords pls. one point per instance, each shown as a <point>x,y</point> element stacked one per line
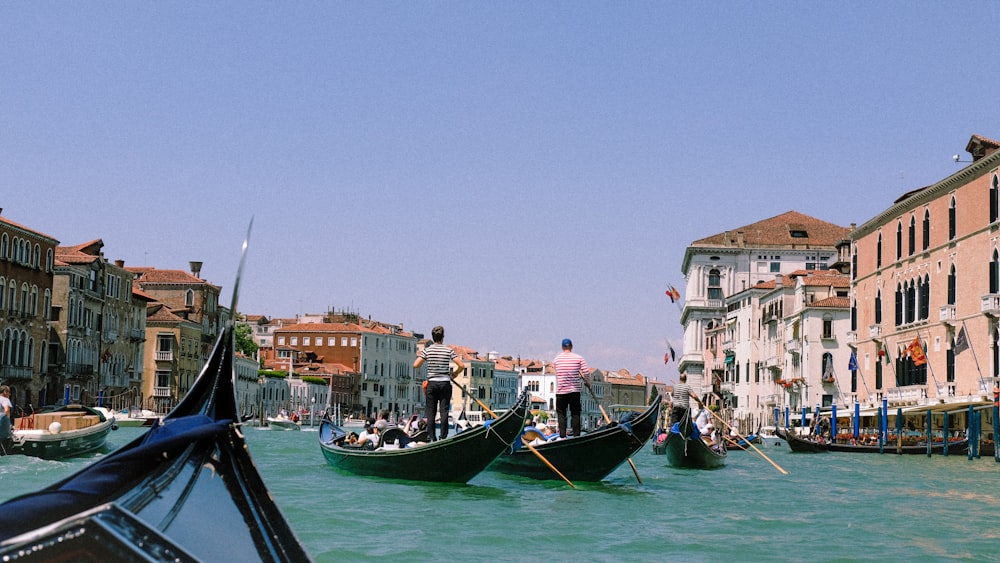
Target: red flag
<point>916,352</point>
<point>673,294</point>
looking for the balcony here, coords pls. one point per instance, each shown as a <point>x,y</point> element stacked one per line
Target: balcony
<point>947,313</point>
<point>138,335</point>
<point>771,400</point>
<point>772,362</point>
<point>15,372</point>
<point>991,304</point>
<point>875,331</point>
<point>165,356</point>
<point>851,338</point>
<point>794,346</point>
<point>911,395</point>
<point>163,392</point>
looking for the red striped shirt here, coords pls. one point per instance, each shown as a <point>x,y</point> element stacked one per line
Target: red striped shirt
<point>568,367</point>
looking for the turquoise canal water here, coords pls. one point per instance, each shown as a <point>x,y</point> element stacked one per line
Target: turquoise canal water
<point>829,507</point>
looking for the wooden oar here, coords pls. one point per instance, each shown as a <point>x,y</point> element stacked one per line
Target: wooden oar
<point>607,419</point>
<point>529,446</point>
<point>749,443</point>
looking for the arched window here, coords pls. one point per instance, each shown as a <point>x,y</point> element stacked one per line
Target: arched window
<point>49,260</point>
<point>3,294</point>
<point>927,230</point>
<point>878,251</point>
<point>994,212</point>
<point>952,285</point>
<point>910,306</point>
<point>189,298</point>
<point>878,307</point>
<point>36,256</point>
<point>951,219</point>
<point>899,240</point>
<point>912,238</point>
<point>924,289</point>
<point>995,273</point>
<point>4,247</point>
<point>714,284</point>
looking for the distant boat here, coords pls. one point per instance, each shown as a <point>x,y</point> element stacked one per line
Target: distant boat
<point>684,448</point>
<point>282,422</point>
<point>805,444</point>
<point>61,432</point>
<point>589,457</point>
<point>456,459</point>
<point>136,417</point>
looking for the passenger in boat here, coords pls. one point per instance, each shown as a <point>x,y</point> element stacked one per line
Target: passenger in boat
<point>385,416</point>
<point>571,368</point>
<point>369,436</point>
<point>704,419</point>
<point>681,400</point>
<point>5,405</point>
<point>439,377</point>
<point>352,439</point>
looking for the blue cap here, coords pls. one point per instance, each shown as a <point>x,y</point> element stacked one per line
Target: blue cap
<point>567,343</point>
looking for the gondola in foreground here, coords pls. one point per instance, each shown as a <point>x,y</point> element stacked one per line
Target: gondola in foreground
<point>456,459</point>
<point>684,449</point>
<point>590,457</point>
<point>186,490</point>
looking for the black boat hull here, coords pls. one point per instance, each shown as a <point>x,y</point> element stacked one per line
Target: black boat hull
<point>456,459</point>
<point>689,452</point>
<point>590,457</point>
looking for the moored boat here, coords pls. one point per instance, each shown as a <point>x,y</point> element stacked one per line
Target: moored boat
<point>738,443</point>
<point>456,459</point>
<point>685,449</point>
<point>799,444</point>
<point>892,446</point>
<point>589,457</point>
<point>186,490</point>
<point>61,432</point>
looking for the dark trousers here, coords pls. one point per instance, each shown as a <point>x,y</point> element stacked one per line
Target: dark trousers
<point>438,401</point>
<point>678,414</point>
<point>571,400</point>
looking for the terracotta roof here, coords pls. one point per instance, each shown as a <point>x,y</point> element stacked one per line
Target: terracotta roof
<point>161,313</point>
<point>28,229</point>
<point>778,231</point>
<point>832,302</point>
<point>137,292</point>
<point>155,276</point>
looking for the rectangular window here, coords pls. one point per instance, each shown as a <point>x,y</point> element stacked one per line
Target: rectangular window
<point>343,341</point>
<point>294,341</point>
<point>775,267</point>
<point>354,342</point>
<point>827,328</point>
<point>281,341</point>
<point>331,341</point>
<point>306,340</point>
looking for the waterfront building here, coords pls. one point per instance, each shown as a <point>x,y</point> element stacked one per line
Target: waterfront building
<point>477,379</point>
<point>382,353</point>
<point>182,325</point>
<point>100,337</point>
<point>27,261</point>
<point>926,291</point>
<point>733,262</point>
<point>505,381</point>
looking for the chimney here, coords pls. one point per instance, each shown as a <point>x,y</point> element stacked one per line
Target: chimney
<point>779,280</point>
<point>120,263</point>
<point>195,269</point>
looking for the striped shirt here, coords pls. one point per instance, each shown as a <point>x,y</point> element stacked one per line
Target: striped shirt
<point>682,395</point>
<point>568,367</point>
<point>438,359</point>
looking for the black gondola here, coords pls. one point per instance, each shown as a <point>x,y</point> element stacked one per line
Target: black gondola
<point>799,444</point>
<point>186,490</point>
<point>684,449</point>
<point>456,459</point>
<point>590,457</point>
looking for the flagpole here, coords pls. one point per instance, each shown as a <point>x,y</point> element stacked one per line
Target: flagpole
<point>974,356</point>
<point>930,366</point>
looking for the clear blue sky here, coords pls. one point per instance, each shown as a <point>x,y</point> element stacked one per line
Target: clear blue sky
<point>518,172</point>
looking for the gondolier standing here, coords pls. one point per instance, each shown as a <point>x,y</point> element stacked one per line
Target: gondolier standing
<point>571,368</point>
<point>681,400</point>
<point>439,375</point>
